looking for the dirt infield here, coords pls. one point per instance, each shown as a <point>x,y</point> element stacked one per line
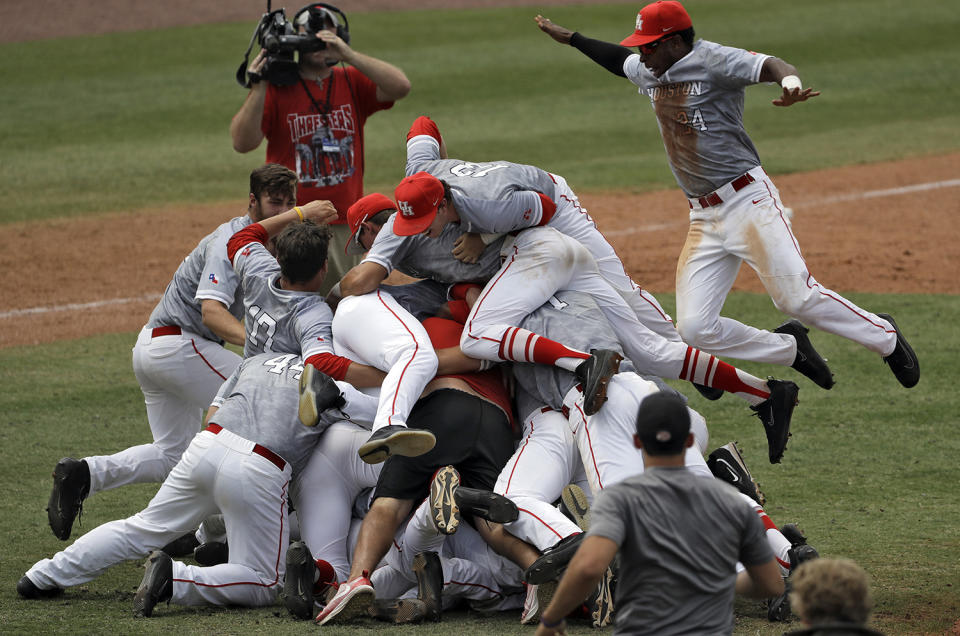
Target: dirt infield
<point>886,228</point>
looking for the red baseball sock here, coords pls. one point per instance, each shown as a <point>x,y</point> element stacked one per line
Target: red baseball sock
<point>520,345</point>
<point>709,370</point>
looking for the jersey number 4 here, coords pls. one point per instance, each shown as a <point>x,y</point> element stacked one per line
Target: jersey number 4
<point>691,121</point>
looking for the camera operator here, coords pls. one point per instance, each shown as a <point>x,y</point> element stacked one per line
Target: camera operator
<point>315,126</point>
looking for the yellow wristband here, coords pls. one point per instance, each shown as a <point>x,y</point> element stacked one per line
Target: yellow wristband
<point>296,209</point>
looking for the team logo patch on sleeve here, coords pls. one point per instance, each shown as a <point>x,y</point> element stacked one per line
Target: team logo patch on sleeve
<point>213,279</point>
<point>245,252</point>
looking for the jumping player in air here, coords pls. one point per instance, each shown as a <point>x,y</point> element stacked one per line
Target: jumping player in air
<point>696,90</point>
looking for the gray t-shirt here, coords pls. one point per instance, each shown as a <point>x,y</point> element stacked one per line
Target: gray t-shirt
<point>680,537</point>
<point>699,108</point>
<point>206,273</point>
<point>279,320</point>
<point>259,403</point>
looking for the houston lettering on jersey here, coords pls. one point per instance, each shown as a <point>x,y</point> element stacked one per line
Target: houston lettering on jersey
<point>674,90</point>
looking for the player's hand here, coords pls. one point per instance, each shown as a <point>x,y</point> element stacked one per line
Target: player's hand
<point>791,97</point>
<point>557,32</point>
<point>468,247</point>
<point>320,212</point>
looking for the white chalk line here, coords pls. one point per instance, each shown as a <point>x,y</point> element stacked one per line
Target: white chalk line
<point>33,311</point>
<point>650,227</point>
<point>855,196</point>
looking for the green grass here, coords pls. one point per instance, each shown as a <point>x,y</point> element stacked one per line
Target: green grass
<point>132,120</point>
<point>870,474</point>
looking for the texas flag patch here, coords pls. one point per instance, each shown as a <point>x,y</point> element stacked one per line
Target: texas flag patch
<point>213,279</point>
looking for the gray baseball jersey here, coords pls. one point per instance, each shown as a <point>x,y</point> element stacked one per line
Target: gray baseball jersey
<point>423,257</point>
<point>279,320</point>
<point>206,273</point>
<point>259,403</point>
<point>699,108</point>
<point>682,536</point>
<point>490,196</point>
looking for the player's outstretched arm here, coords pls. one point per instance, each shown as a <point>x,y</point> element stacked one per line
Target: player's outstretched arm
<point>609,56</point>
<point>557,32</point>
<point>776,70</point>
<point>362,279</point>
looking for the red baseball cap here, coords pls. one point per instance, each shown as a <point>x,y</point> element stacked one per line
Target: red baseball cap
<point>657,20</point>
<point>418,198</point>
<point>363,209</point>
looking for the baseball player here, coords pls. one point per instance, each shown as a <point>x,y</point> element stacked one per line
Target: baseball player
<point>696,90</point>
<point>179,359</point>
<point>241,464</point>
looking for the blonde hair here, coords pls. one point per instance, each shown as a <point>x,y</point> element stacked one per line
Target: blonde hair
<point>830,590</point>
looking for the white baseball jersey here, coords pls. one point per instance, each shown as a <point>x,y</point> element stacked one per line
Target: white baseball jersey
<point>279,320</point>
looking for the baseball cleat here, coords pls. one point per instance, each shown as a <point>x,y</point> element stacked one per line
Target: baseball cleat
<point>156,586</point>
<point>298,581</point>
<point>576,505</point>
<point>594,373</point>
<point>903,361</point>
<point>352,600</point>
<point>399,611</point>
<point>212,553</point>
<point>318,392</point>
<point>396,440</point>
<point>775,412</point>
<point>71,485</point>
<point>554,560</point>
<point>709,392</point>
<point>444,510</point>
<point>537,600</point>
<point>600,602</point>
<point>808,361</point>
<point>429,571</point>
<point>28,589</point>
<point>486,505</point>
<point>726,463</point>
<point>778,607</point>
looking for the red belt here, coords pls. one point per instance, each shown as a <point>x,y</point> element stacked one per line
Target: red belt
<point>738,184</point>
<point>262,451</point>
<point>165,331</point>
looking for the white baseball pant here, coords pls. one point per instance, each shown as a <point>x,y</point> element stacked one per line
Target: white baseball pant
<point>750,226</point>
<point>374,329</point>
<point>179,375</point>
<point>217,472</point>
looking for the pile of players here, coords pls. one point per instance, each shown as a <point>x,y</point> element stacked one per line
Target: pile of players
<point>424,433</point>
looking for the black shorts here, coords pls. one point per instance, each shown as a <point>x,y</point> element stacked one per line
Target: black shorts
<point>472,434</point>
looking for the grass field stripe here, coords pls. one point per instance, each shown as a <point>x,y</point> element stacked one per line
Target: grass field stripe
<point>855,196</point>
<point>77,306</point>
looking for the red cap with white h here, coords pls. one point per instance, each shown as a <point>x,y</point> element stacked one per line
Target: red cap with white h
<point>657,20</point>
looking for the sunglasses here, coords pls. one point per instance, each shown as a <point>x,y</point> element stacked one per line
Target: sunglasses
<point>650,47</point>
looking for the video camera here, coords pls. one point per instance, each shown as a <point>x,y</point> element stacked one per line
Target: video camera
<point>280,39</point>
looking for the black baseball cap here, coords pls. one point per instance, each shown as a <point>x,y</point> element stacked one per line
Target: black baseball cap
<point>663,424</point>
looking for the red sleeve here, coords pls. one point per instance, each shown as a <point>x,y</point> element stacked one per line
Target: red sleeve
<point>459,310</point>
<point>423,125</point>
<point>253,233</point>
<point>459,290</point>
<point>333,365</point>
<point>443,333</point>
<point>549,208</point>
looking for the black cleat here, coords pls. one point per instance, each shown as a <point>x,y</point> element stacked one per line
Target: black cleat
<point>709,392</point>
<point>808,361</point>
<point>298,581</point>
<point>600,602</point>
<point>778,608</point>
<point>726,463</point>
<point>576,506</point>
<point>429,571</point>
<point>396,440</point>
<point>71,485</point>
<point>156,586</point>
<point>775,412</point>
<point>903,361</point>
<point>444,509</point>
<point>183,546</point>
<point>594,373</point>
<point>553,561</point>
<point>486,505</point>
<point>318,392</point>
<point>212,553</point>
<point>27,589</point>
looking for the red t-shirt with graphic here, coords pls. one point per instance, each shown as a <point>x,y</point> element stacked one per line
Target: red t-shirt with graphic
<point>324,148</point>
